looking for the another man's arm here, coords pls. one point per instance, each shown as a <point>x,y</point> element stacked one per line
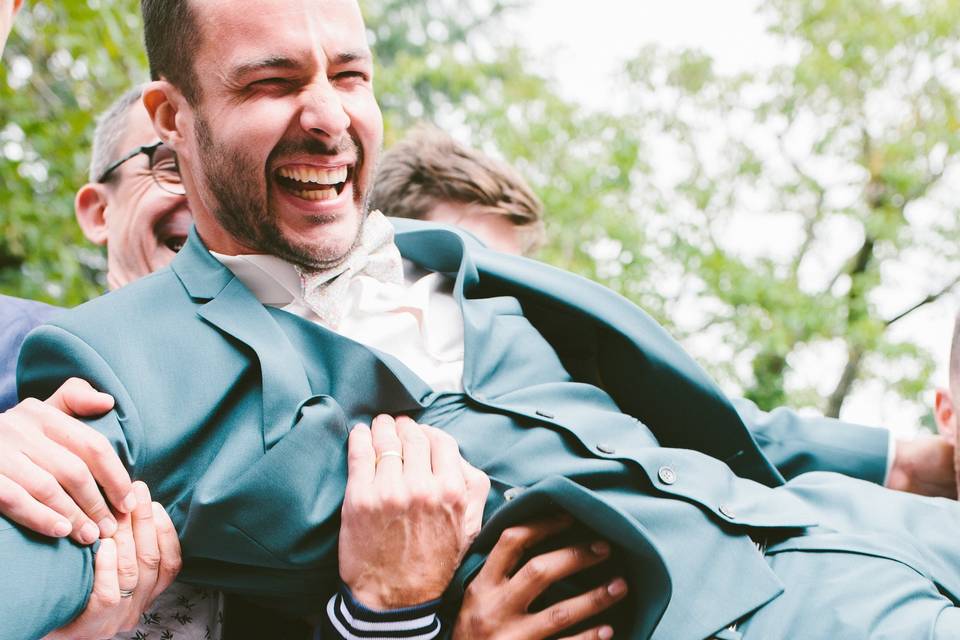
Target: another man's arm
<point>799,444</point>
<point>51,466</point>
<point>47,582</point>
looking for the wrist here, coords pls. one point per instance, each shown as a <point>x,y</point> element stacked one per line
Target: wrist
<point>378,599</point>
<point>351,618</point>
<point>902,469</point>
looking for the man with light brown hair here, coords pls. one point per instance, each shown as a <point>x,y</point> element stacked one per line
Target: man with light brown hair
<point>430,176</point>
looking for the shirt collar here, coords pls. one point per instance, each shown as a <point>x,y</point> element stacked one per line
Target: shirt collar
<point>272,280</point>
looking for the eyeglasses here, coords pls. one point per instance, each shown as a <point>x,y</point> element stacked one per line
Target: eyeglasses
<point>162,162</point>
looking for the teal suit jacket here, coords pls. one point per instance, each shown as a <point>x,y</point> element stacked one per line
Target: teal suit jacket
<point>217,413</point>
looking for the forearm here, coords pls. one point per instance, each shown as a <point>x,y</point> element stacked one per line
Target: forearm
<point>46,582</point>
<point>798,444</point>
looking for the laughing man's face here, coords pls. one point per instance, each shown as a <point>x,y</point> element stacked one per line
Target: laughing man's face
<point>279,152</point>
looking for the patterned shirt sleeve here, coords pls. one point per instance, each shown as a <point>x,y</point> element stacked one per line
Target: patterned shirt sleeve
<point>347,619</point>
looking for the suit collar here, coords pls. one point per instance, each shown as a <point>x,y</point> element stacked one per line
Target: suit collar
<point>202,275</point>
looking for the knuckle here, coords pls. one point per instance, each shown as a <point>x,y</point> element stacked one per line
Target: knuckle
<point>46,489</point>
<point>600,597</point>
<point>561,617</point>
<point>171,566</point>
<point>396,501</point>
<point>536,570</point>
<point>74,473</point>
<point>107,599</point>
<point>453,496</point>
<point>32,407</point>
<point>149,559</point>
<point>513,537</point>
<point>422,496</point>
<point>97,446</point>
<point>128,573</point>
<point>361,503</point>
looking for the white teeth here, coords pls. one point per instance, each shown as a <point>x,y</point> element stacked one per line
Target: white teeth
<point>317,194</point>
<point>315,175</point>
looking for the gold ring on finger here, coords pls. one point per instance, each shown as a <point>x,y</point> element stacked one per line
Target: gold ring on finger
<point>389,454</point>
<point>126,593</point>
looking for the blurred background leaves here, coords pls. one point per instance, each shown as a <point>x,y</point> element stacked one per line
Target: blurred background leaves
<point>765,217</point>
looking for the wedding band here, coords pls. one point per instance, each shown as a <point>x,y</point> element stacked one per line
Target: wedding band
<point>124,593</point>
<point>388,454</point>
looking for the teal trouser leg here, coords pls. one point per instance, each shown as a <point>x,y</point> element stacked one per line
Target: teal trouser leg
<point>884,565</point>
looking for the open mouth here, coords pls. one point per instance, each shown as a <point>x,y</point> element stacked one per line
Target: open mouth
<point>315,184</point>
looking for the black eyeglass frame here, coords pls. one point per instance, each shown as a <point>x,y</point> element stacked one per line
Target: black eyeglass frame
<point>147,150</point>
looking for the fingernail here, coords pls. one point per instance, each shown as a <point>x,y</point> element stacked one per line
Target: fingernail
<point>617,588</point>
<point>600,548</point>
<point>130,502</point>
<point>142,493</point>
<point>108,527</point>
<point>605,633</point>
<point>62,528</point>
<point>359,425</point>
<point>88,533</point>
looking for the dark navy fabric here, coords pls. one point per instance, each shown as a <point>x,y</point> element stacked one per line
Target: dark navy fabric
<point>17,318</point>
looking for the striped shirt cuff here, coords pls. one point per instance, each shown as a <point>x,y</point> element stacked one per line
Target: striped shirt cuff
<point>353,621</point>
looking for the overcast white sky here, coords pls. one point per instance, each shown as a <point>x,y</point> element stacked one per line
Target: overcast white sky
<point>583,45</point>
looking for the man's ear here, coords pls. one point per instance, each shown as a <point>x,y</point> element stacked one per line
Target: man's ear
<point>945,415</point>
<point>164,103</point>
<point>90,207</point>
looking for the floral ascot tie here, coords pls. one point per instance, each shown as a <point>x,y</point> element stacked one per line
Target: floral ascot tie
<point>327,292</point>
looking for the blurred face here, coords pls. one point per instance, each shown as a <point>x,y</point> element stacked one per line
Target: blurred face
<point>142,225</point>
<point>8,8</point>
<point>495,230</point>
<point>279,153</point>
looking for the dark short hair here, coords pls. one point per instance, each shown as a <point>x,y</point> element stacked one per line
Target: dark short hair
<point>172,37</point>
<point>428,168</point>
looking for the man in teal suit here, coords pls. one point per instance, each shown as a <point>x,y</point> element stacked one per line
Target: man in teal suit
<point>234,393</point>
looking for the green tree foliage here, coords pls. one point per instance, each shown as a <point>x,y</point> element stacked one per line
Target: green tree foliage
<point>65,62</point>
<point>849,148</point>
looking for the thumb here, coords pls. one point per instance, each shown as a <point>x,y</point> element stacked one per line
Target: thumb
<point>77,398</point>
<point>478,487</point>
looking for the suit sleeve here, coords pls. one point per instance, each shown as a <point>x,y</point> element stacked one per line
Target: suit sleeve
<point>798,444</point>
<point>46,583</point>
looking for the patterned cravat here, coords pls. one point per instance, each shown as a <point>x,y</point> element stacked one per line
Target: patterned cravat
<point>375,255</point>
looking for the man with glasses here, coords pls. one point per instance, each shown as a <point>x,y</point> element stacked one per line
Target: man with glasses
<point>136,206</point>
<point>134,203</point>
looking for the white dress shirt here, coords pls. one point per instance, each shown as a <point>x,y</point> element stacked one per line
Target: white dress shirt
<point>418,322</point>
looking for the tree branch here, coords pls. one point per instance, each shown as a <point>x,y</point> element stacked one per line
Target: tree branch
<point>933,297</point>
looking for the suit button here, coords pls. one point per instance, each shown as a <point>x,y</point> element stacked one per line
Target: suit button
<point>727,512</point>
<point>545,414</point>
<point>512,493</point>
<point>667,475</point>
<point>606,448</point>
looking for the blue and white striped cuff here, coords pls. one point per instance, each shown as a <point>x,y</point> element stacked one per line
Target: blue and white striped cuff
<point>353,621</point>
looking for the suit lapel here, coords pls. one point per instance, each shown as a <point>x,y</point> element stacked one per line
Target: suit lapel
<point>232,309</point>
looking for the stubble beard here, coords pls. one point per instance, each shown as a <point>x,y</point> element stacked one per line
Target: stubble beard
<point>244,211</point>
